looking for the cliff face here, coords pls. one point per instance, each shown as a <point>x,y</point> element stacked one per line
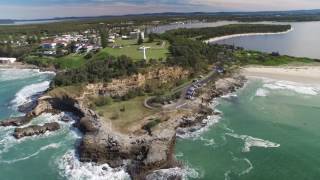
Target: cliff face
<point>120,87</point>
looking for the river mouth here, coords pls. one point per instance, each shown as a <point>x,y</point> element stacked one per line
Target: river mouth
<point>301,42</point>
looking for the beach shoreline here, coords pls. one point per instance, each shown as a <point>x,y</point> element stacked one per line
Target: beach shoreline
<point>299,74</point>
<point>18,65</point>
<point>216,39</point>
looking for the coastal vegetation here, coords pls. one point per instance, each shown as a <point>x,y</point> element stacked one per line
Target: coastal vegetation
<point>211,32</point>
<point>183,47</point>
<point>247,57</point>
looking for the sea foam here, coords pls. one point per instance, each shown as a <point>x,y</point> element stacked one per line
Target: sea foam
<point>27,93</point>
<point>262,92</point>
<point>250,141</point>
<point>292,86</point>
<point>195,132</point>
<point>71,168</point>
<point>16,74</point>
<point>44,148</point>
<point>172,173</point>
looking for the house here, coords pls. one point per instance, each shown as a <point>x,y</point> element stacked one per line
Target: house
<point>111,41</point>
<point>48,45</point>
<point>61,43</point>
<point>135,34</point>
<point>5,60</point>
<point>124,37</point>
<point>49,53</point>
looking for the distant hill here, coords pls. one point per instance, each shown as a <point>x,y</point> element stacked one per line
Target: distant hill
<point>6,21</point>
<point>236,15</point>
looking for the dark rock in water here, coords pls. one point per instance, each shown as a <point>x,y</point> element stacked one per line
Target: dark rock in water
<point>27,107</point>
<point>16,121</point>
<point>66,119</point>
<point>35,130</point>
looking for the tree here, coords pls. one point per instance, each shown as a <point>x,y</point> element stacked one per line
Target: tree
<point>72,47</point>
<point>103,36</point>
<point>151,37</point>
<point>140,40</point>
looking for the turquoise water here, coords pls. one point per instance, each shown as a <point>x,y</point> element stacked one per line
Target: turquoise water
<point>269,131</point>
<point>49,156</point>
<point>34,157</point>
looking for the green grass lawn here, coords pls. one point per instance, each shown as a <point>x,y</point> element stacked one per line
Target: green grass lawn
<point>158,49</point>
<point>134,111</point>
<point>71,61</point>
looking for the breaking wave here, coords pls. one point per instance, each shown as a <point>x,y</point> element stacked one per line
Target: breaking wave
<point>28,93</point>
<point>44,148</point>
<point>71,168</point>
<point>262,92</point>
<point>292,86</point>
<point>16,74</point>
<point>195,132</point>
<point>253,142</point>
<point>8,141</point>
<point>174,173</point>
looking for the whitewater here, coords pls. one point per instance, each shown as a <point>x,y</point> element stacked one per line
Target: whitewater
<point>53,154</point>
<point>265,126</point>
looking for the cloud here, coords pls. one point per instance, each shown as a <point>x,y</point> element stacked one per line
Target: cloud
<point>44,11</point>
<point>59,8</point>
<point>258,5</point>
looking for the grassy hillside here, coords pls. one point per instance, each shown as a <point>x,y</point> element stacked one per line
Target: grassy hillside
<point>130,48</point>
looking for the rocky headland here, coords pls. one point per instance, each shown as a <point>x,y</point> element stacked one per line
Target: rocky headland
<point>142,150</point>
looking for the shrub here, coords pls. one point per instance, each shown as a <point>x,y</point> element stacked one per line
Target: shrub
<point>102,101</point>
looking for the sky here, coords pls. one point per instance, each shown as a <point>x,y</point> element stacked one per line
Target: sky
<point>30,9</point>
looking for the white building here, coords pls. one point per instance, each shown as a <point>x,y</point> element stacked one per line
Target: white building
<point>5,60</point>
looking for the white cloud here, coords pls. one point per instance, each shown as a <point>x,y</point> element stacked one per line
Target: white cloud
<point>121,7</point>
<point>258,5</point>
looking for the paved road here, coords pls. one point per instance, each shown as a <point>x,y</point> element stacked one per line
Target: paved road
<point>183,101</point>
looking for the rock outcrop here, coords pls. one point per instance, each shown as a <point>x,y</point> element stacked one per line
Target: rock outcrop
<point>35,130</point>
<point>16,121</point>
<point>141,153</point>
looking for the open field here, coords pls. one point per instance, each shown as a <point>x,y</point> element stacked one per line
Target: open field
<point>71,61</point>
<point>130,48</point>
<point>125,113</point>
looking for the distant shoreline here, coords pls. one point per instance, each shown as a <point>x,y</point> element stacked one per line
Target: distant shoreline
<point>18,65</point>
<point>220,38</point>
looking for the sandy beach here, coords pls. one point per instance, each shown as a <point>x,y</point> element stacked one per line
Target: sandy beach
<point>212,40</point>
<point>299,74</point>
<point>18,65</point>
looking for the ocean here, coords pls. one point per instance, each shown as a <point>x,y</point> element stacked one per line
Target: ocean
<point>50,156</point>
<point>269,130</point>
